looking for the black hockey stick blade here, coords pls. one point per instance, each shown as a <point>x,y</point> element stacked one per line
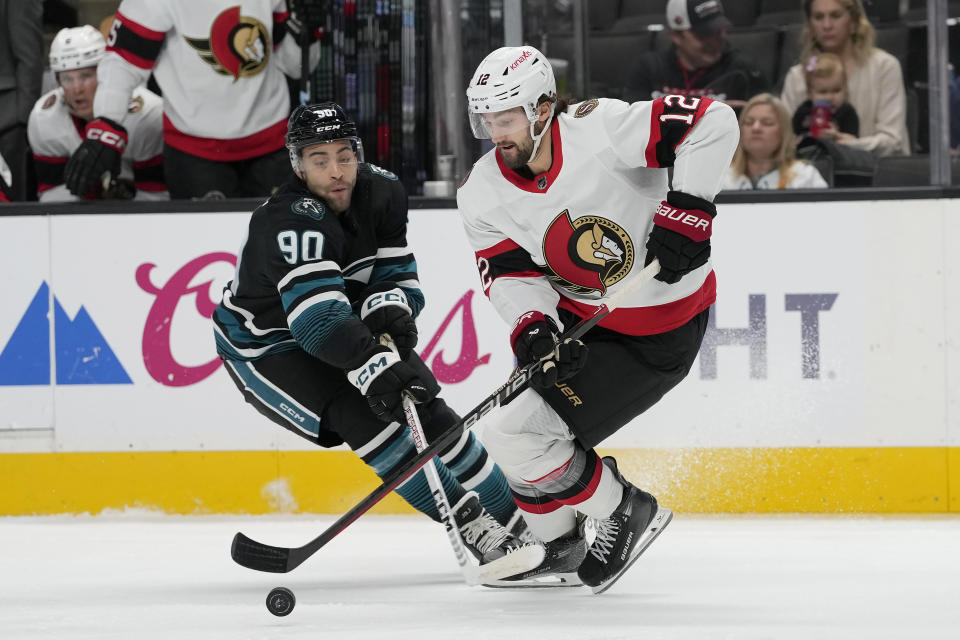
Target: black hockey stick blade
<point>256,555</point>
<point>263,557</point>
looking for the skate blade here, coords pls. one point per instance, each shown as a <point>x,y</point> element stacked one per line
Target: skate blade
<point>654,529</point>
<point>547,581</point>
<point>522,560</point>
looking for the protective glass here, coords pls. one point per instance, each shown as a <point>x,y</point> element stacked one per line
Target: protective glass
<point>499,123</point>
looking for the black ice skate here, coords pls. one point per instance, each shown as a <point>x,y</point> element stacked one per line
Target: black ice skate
<point>498,551</point>
<point>558,569</point>
<point>621,538</point>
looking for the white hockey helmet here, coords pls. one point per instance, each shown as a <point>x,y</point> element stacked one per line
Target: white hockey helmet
<point>76,48</point>
<point>507,78</point>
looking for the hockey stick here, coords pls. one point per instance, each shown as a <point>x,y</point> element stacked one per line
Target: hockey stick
<point>516,562</point>
<point>263,557</point>
<point>304,43</point>
<point>433,480</point>
<point>305,65</point>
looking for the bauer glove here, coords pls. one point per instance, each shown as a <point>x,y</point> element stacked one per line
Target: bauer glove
<point>385,310</point>
<point>383,378</point>
<point>99,153</point>
<point>534,339</point>
<point>680,238</point>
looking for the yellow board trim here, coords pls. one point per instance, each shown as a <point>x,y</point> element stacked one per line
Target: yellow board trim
<point>725,480</point>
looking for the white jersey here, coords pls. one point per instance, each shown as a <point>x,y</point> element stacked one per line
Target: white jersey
<point>55,133</point>
<point>569,236</point>
<point>805,176</point>
<point>221,72</point>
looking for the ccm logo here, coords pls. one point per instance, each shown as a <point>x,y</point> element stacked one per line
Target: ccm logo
<point>291,412</point>
<point>389,297</point>
<point>683,217</point>
<point>111,138</point>
<point>369,372</point>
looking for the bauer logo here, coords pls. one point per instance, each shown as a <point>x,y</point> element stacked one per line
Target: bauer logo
<point>81,353</point>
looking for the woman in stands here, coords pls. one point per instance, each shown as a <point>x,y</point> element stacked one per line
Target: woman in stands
<point>766,157</point>
<point>874,77</point>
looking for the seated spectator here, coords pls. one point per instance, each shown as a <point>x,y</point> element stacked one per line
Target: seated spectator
<point>765,157</point>
<point>874,78</point>
<point>700,61</point>
<point>59,117</point>
<point>825,113</point>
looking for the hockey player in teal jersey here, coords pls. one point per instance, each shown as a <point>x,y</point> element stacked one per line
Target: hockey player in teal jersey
<point>324,271</point>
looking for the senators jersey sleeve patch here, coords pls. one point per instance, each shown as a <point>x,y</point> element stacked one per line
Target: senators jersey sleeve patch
<point>586,108</point>
<point>671,119</point>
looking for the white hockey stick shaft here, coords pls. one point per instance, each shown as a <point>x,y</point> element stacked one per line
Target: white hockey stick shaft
<point>468,570</point>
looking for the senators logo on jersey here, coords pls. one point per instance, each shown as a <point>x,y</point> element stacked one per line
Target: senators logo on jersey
<point>587,254</point>
<point>238,46</point>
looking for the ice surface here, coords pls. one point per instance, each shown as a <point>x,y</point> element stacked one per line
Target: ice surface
<point>136,575</point>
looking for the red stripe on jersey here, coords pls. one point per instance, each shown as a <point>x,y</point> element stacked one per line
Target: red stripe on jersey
<point>651,151</point>
<point>133,58</point>
<point>279,17</point>
<point>252,146</point>
<point>45,187</point>
<point>645,321</point>
<point>501,247</point>
<point>530,507</point>
<point>139,29</point>
<point>50,159</point>
<point>533,186</point>
<point>3,196</point>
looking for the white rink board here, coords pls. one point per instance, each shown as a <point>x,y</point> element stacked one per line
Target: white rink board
<point>887,347</point>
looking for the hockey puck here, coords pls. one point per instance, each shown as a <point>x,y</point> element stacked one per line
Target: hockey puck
<point>280,601</point>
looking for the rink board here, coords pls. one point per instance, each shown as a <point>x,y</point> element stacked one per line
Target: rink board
<point>828,381</point>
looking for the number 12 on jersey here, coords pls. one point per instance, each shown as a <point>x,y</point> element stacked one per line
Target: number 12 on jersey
<point>684,102</point>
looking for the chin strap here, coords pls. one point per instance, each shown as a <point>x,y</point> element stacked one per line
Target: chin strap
<point>537,138</point>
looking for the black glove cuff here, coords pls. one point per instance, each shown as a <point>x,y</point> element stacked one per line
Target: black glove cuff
<point>682,200</point>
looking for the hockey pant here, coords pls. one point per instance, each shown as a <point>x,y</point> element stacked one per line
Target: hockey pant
<point>544,439</point>
<point>315,401</point>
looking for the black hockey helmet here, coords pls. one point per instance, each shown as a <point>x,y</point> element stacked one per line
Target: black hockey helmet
<point>319,123</point>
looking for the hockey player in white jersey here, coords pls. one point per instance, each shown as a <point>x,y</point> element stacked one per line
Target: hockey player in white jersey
<point>570,204</point>
<point>221,66</point>
<point>59,119</point>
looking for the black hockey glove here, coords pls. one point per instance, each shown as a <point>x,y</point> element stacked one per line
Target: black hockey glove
<point>534,338</point>
<point>311,13</point>
<point>383,378</point>
<point>680,237</point>
<point>98,154</point>
<point>384,309</point>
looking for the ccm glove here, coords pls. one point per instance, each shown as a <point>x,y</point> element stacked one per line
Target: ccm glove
<point>98,154</point>
<point>384,309</point>
<point>534,339</point>
<point>680,237</point>
<point>383,378</point>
